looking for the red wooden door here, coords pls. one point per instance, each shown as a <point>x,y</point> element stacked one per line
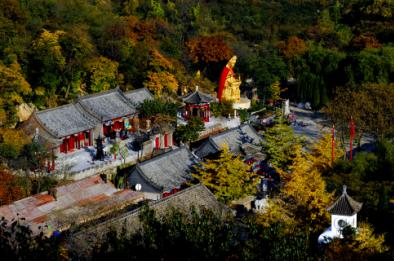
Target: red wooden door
<point>166,140</point>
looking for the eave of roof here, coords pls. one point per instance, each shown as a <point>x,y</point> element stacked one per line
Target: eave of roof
<point>169,174</point>
<point>345,205</point>
<point>197,97</point>
<point>61,118</point>
<point>98,114</point>
<point>129,94</point>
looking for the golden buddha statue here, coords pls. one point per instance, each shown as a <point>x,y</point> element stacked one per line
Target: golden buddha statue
<point>229,83</point>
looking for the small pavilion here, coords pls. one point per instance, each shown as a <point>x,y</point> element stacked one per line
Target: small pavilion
<point>343,213</point>
<point>197,105</point>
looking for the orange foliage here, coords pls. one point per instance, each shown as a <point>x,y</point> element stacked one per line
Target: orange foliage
<point>9,190</point>
<point>132,28</point>
<point>294,47</point>
<point>208,49</point>
<point>159,62</point>
<point>366,41</point>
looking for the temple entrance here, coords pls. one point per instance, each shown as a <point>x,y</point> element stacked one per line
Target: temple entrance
<point>195,112</point>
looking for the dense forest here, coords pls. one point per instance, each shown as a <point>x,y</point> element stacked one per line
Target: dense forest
<point>52,51</point>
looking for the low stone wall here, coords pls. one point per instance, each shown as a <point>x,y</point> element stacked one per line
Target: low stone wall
<point>220,126</point>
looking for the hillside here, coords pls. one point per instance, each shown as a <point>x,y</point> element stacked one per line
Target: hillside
<point>51,51</point>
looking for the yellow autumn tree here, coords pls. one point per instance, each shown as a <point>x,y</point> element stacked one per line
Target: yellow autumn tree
<point>305,188</point>
<point>228,177</point>
<point>13,89</point>
<point>367,241</point>
<point>12,141</point>
<point>303,199</point>
<point>160,76</point>
<point>321,156</point>
<point>363,245</point>
<point>159,81</point>
<point>103,74</point>
<point>48,46</point>
<point>276,212</point>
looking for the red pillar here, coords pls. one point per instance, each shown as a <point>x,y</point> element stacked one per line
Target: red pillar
<point>71,142</point>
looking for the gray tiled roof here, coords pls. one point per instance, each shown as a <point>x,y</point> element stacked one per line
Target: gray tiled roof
<point>65,120</point>
<point>168,170</point>
<point>197,197</point>
<point>107,105</point>
<point>345,205</point>
<point>197,97</point>
<point>233,138</point>
<point>138,96</point>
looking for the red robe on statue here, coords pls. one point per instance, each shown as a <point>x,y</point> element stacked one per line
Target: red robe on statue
<point>222,81</point>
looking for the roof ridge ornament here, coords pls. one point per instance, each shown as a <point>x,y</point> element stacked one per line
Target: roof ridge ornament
<point>344,187</point>
<point>196,88</point>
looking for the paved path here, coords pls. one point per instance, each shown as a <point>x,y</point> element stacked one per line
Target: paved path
<point>313,125</point>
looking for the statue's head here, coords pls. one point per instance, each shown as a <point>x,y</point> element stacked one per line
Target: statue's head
<point>232,61</point>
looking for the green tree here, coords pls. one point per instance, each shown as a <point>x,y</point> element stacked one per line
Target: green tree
<point>279,144</point>
<point>228,177</point>
<point>189,132</point>
<point>266,67</point>
<point>150,108</point>
<point>77,47</point>
<point>114,149</point>
<point>317,73</point>
<point>198,235</point>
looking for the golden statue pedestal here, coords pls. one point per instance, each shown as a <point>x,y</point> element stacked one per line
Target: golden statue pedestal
<point>244,103</point>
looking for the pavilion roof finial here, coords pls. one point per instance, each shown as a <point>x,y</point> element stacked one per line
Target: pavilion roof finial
<point>345,205</point>
<point>196,88</point>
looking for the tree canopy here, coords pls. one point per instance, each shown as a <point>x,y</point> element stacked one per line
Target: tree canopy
<point>228,176</point>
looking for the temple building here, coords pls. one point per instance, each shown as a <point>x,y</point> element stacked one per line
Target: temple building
<point>197,105</point>
<point>163,175</point>
<point>112,109</point>
<point>64,129</point>
<point>239,139</point>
